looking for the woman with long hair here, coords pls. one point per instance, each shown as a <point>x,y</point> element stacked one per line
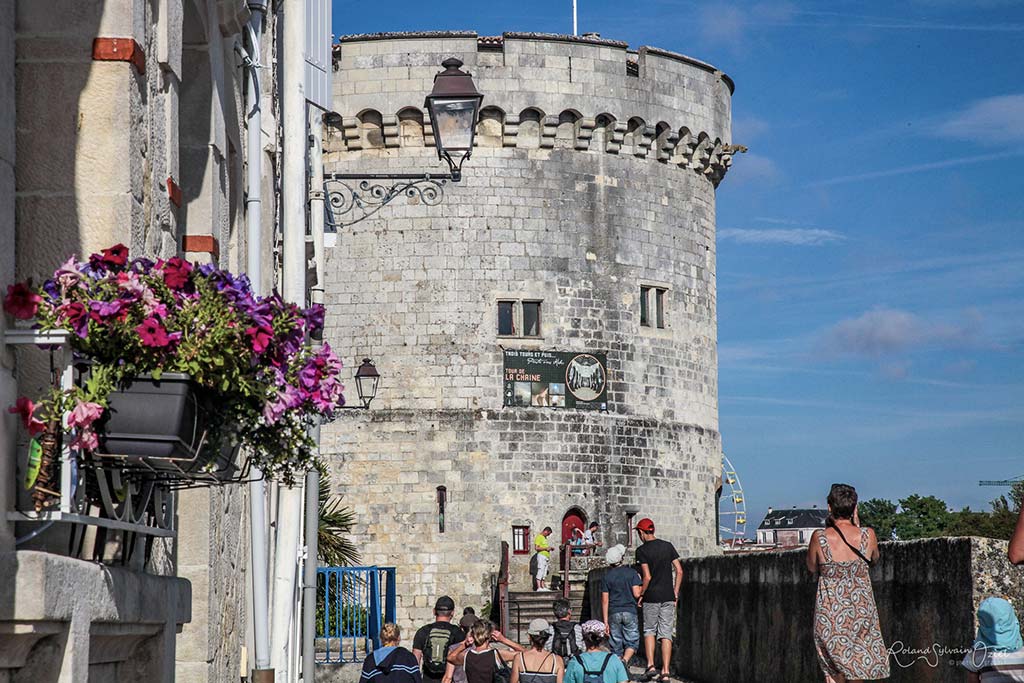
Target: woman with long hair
<point>478,656</point>
<point>537,665</point>
<point>846,631</point>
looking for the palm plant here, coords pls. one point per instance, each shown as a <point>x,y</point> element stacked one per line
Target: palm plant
<point>334,547</point>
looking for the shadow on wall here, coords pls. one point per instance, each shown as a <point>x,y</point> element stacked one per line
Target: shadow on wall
<point>750,617</point>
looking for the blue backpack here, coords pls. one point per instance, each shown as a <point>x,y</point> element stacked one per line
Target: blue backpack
<point>594,676</point>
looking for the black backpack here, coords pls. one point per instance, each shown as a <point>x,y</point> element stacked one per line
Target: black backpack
<point>435,650</point>
<point>563,641</point>
<point>594,676</point>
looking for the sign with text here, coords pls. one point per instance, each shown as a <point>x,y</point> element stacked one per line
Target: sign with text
<point>556,379</point>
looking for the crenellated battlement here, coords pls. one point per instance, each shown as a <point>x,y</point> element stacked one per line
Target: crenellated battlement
<point>542,91</point>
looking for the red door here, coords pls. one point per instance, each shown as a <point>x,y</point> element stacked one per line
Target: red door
<point>573,520</point>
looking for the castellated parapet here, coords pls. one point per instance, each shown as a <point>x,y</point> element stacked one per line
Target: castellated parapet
<point>593,177</point>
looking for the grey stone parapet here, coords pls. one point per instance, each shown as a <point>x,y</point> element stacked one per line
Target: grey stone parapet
<point>542,91</point>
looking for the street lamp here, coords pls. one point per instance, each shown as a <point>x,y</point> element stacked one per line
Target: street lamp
<point>454,108</point>
<point>454,105</point>
<point>367,379</point>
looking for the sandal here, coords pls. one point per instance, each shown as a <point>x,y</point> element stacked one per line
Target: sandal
<point>664,678</point>
<point>650,674</point>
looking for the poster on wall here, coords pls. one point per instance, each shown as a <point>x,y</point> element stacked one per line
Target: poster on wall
<point>556,379</point>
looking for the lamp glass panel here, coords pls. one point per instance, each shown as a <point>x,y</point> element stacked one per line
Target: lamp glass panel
<point>453,122</point>
<point>366,387</point>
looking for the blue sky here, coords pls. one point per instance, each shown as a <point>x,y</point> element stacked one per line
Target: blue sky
<point>871,243</point>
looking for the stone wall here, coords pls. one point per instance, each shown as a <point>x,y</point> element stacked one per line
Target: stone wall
<point>552,207</point>
<point>749,617</point>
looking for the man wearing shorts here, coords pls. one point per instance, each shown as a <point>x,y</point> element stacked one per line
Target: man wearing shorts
<point>662,575</point>
<point>543,557</point>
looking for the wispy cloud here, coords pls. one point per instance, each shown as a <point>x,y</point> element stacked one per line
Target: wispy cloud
<point>747,128</point>
<point>993,120</point>
<point>884,331</point>
<point>917,168</point>
<point>804,237</point>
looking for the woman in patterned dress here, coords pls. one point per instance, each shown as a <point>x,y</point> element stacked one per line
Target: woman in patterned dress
<point>846,632</point>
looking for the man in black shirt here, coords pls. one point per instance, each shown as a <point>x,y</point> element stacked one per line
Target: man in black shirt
<point>659,594</point>
<point>431,642</point>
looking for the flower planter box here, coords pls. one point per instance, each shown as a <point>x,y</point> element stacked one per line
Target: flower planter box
<point>160,425</point>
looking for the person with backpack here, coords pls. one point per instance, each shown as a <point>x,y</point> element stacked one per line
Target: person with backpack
<point>620,588</point>
<point>452,673</point>
<point>391,663</point>
<point>482,662</point>
<point>566,636</point>
<point>430,644</point>
<point>596,665</point>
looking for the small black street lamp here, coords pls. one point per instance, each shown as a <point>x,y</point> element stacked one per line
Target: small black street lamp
<point>454,105</point>
<point>454,108</point>
<point>367,379</point>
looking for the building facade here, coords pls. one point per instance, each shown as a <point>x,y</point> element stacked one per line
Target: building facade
<point>122,121</point>
<point>790,527</point>
<point>580,244</point>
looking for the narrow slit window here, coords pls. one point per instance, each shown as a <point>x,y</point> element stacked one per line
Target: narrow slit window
<point>531,318</point>
<point>659,307</point>
<point>506,318</point>
<point>645,317</point>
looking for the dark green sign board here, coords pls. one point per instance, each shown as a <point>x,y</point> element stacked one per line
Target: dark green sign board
<point>556,379</point>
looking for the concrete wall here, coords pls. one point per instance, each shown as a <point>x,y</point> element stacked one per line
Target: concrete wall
<point>550,208</point>
<point>749,617</point>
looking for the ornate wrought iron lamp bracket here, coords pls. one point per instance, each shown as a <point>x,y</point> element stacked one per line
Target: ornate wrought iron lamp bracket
<point>353,197</point>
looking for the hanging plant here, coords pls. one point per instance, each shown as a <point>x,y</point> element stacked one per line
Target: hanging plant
<point>246,355</point>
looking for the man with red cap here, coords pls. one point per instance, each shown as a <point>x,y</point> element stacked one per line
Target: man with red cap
<point>662,575</point>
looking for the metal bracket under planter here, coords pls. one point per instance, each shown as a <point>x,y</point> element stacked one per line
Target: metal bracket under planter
<point>156,429</point>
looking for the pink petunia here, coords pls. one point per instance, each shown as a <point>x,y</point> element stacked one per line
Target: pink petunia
<point>153,333</point>
<point>260,338</point>
<point>21,301</point>
<point>176,272</point>
<point>85,440</point>
<point>76,316</point>
<point>68,276</point>
<point>84,414</point>
<point>25,409</point>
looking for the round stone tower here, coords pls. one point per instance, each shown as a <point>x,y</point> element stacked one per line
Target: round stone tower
<point>546,327</point>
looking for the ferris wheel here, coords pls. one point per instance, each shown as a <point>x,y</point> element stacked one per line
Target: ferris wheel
<point>732,506</point>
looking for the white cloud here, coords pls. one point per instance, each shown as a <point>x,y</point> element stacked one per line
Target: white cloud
<point>747,128</point>
<point>917,168</point>
<point>993,120</point>
<point>804,237</point>
<point>885,331</point>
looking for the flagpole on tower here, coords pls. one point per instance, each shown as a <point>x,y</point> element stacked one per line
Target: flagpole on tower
<point>575,30</point>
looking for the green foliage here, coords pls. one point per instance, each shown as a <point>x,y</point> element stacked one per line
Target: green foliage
<point>880,515</point>
<point>921,517</point>
<point>334,547</point>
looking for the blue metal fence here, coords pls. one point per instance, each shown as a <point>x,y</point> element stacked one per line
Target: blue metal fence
<point>352,605</point>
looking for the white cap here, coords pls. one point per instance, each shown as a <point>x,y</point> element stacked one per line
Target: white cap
<point>615,554</point>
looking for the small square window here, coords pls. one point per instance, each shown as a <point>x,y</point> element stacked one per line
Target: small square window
<point>659,307</point>
<point>506,318</point>
<point>531,318</point>
<point>645,316</point>
<point>520,540</point>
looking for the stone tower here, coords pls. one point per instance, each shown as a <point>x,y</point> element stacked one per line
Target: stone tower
<point>582,235</point>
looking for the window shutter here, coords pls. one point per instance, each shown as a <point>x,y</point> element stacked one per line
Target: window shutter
<point>318,53</point>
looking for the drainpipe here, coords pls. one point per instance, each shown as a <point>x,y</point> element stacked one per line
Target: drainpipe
<point>316,221</point>
<point>254,267</point>
<point>293,219</point>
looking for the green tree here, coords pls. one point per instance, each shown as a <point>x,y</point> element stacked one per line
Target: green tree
<point>922,517</point>
<point>880,515</point>
<point>334,547</point>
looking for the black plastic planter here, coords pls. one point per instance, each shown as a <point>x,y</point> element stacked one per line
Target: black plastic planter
<point>154,419</point>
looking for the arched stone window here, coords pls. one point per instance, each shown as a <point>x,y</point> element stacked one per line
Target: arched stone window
<point>530,128</point>
<point>410,127</point>
<point>633,144</point>
<point>371,129</point>
<point>491,127</point>
<point>602,132</point>
<point>568,129</point>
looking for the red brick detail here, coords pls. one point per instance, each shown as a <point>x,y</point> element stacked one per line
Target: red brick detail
<point>119,50</point>
<point>204,244</point>
<point>174,192</point>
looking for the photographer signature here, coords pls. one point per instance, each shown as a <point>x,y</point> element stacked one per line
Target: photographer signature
<point>905,657</point>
